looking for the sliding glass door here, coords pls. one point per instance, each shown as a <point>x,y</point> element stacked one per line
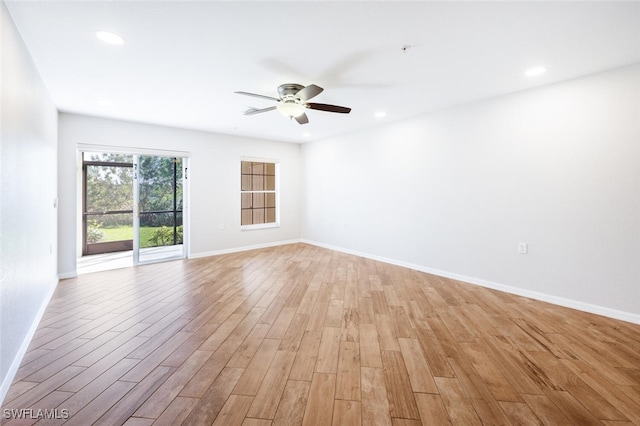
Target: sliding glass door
<point>159,196</point>
<point>107,214</point>
<point>132,203</point>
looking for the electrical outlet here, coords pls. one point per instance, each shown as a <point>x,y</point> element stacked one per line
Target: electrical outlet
<point>221,226</point>
<point>523,248</point>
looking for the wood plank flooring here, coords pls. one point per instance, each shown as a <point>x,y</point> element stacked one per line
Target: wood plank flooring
<point>300,335</point>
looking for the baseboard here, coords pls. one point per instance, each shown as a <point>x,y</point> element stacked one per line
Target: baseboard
<point>15,364</point>
<point>67,275</point>
<point>242,248</point>
<point>560,301</point>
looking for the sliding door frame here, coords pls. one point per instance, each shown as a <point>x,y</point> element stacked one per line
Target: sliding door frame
<point>137,151</point>
<point>107,247</point>
<point>137,173</point>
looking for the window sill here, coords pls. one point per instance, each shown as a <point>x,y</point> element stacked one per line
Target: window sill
<point>261,226</point>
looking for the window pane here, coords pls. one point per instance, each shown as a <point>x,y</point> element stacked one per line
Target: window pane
<point>258,200</point>
<point>157,229</point>
<point>271,169</point>
<point>246,167</point>
<point>109,227</point>
<point>270,200</point>
<point>247,217</point>
<point>271,215</point>
<point>257,183</point>
<point>270,183</point>
<point>155,180</point>
<point>107,157</point>
<point>246,201</point>
<point>246,183</point>
<point>109,188</point>
<point>258,216</point>
<point>257,168</point>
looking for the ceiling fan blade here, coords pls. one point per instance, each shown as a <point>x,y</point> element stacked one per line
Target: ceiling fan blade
<point>329,108</point>
<point>253,111</point>
<point>302,119</point>
<point>255,95</point>
<point>309,92</point>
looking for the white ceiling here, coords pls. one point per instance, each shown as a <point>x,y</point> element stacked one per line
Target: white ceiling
<point>182,61</point>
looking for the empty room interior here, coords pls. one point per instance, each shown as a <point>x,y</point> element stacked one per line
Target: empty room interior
<point>320,213</point>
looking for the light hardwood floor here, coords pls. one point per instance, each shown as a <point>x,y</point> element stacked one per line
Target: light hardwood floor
<point>302,335</point>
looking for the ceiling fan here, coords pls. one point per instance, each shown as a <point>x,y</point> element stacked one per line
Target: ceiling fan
<point>293,102</point>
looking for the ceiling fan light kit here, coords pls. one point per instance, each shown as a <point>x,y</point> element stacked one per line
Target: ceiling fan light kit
<point>290,108</point>
<point>292,102</point>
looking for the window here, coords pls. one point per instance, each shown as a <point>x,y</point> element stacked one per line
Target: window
<point>258,194</point>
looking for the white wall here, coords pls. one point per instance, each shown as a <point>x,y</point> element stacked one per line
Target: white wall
<point>214,179</point>
<point>28,190</point>
<point>455,192</point>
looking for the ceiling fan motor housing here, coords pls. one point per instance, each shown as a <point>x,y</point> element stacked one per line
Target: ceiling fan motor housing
<point>289,90</point>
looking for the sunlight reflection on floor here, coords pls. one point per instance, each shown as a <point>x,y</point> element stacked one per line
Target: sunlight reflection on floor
<point>124,259</point>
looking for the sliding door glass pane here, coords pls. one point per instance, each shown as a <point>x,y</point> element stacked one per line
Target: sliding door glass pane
<point>157,229</point>
<point>109,188</point>
<point>106,228</point>
<point>160,192</point>
<point>157,181</point>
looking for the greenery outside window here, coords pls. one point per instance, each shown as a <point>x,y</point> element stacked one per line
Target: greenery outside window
<point>258,193</point>
<point>107,202</point>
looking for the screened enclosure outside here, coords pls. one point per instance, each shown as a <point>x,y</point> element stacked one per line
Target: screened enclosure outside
<point>160,195</point>
<point>108,201</point>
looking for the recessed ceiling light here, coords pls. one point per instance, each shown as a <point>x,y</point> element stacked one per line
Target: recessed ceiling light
<point>110,38</point>
<point>380,114</point>
<point>306,135</point>
<point>105,102</point>
<point>534,72</point>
